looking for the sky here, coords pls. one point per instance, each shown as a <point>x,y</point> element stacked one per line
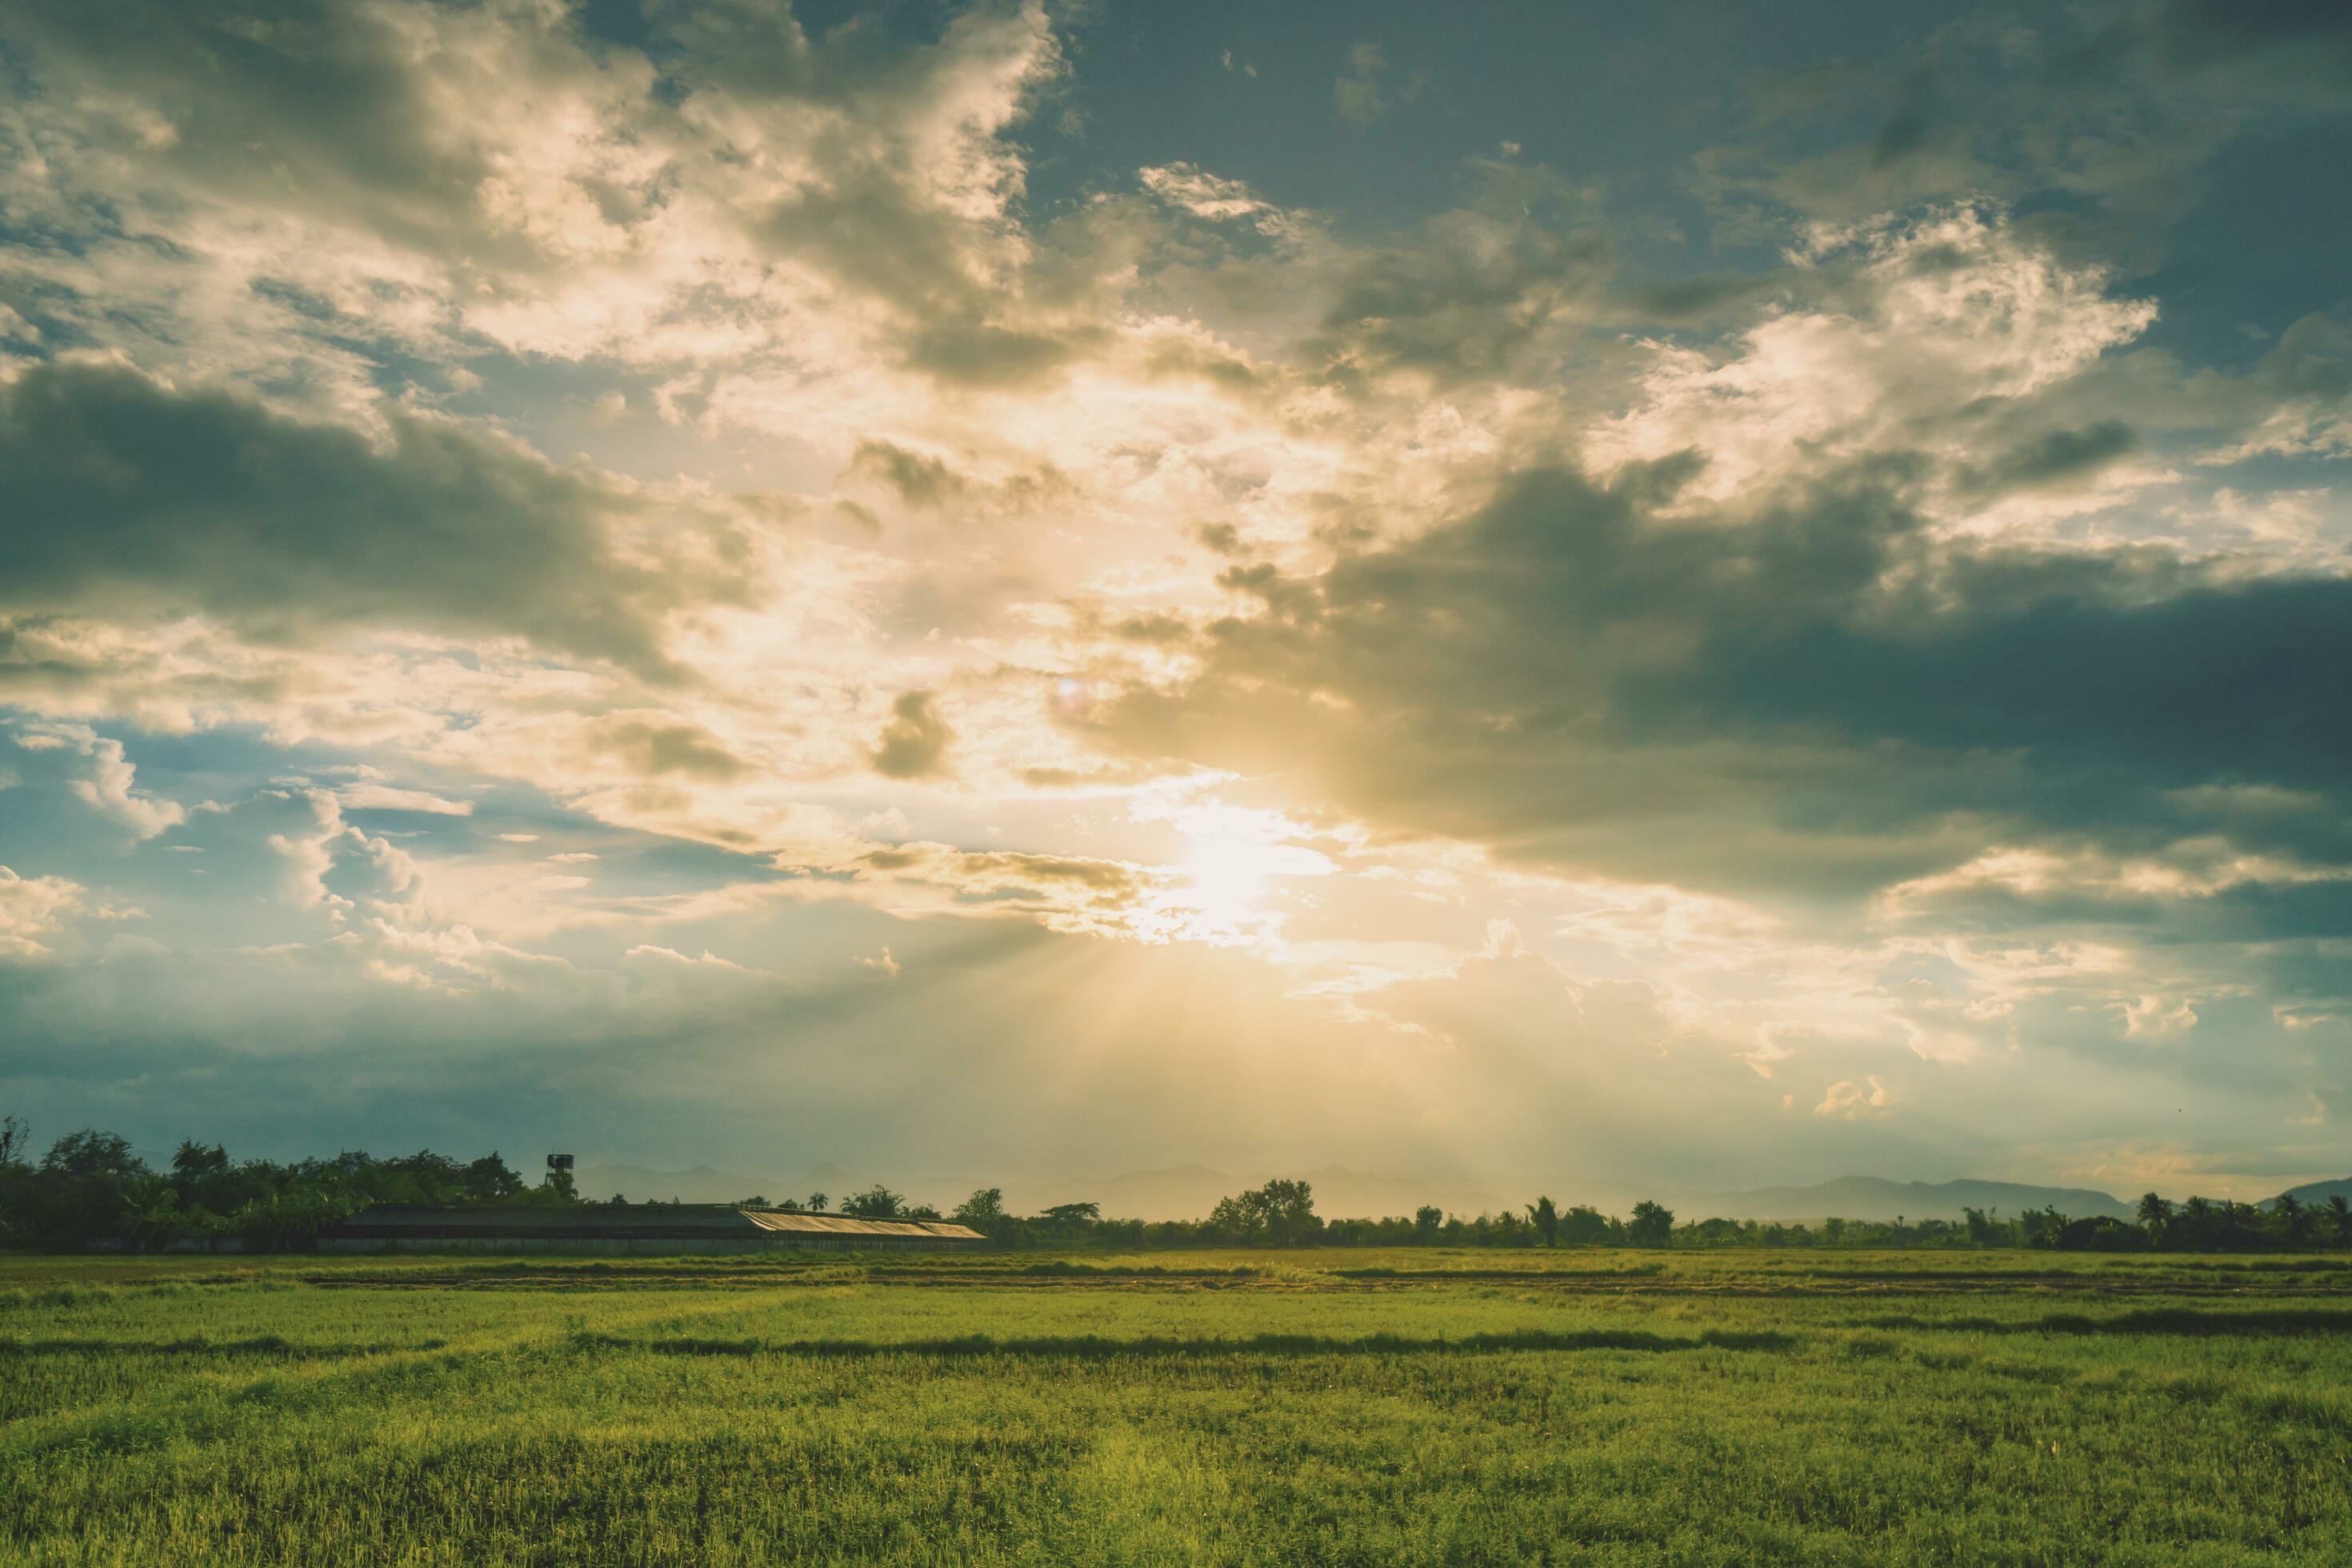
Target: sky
<point>1701,593</point>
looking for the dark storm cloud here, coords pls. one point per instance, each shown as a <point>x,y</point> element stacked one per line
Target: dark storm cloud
<point>1826,698</point>
<point>123,493</point>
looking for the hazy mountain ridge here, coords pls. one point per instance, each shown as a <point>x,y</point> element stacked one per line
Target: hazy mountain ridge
<point>1877,1198</point>
<point>1189,1192</point>
<point>2315,1192</point>
<point>695,1185</point>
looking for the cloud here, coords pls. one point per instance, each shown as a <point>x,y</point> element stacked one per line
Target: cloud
<point>129,495</point>
<point>1819,696</point>
<point>1208,195</point>
<point>1849,1101</point>
<point>651,747</point>
<point>915,742</point>
<point>1358,92</point>
<point>1540,658</point>
<point>450,176</point>
<point>1920,334</point>
<point>917,479</point>
<point>107,785</point>
<point>372,797</point>
<point>33,908</point>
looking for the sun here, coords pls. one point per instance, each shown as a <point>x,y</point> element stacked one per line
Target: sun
<point>1226,887</point>
<point>1230,877</point>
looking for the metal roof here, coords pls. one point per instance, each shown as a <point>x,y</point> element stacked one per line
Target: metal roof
<point>842,1224</point>
<point>637,1221</point>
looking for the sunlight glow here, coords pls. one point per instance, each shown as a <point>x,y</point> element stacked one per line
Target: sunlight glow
<point>1227,888</point>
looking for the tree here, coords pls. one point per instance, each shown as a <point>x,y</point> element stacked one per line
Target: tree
<point>983,1208</point>
<point>1427,1220</point>
<point>1585,1226</point>
<point>2155,1214</point>
<point>816,1202</point>
<point>2097,1234</point>
<point>1074,1214</point>
<point>877,1202</point>
<point>2295,1219</point>
<point>1281,1213</point>
<point>1289,1209</point>
<point>1544,1215</point>
<point>1652,1224</point>
<point>491,1180</point>
<point>2339,1216</point>
<point>90,1153</point>
<point>1980,1226</point>
<point>16,1140</point>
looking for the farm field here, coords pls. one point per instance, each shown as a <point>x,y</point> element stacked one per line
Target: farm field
<point>1317,1406</point>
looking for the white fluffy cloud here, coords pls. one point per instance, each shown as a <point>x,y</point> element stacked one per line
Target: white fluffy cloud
<point>33,909</point>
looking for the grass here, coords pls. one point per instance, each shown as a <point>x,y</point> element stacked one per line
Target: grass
<point>1341,1408</point>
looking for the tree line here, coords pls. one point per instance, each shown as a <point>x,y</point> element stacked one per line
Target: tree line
<point>92,1189</point>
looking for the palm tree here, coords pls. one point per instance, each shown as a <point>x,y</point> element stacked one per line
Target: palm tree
<point>2339,1215</point>
<point>2293,1219</point>
<point>2153,1214</point>
<point>1544,1215</point>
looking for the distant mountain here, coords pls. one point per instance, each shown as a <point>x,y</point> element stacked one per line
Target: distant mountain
<point>2315,1192</point>
<point>707,1184</point>
<point>1190,1191</point>
<point>1179,1192</point>
<point>1353,1195</point>
<point>700,1185</point>
<point>1876,1198</point>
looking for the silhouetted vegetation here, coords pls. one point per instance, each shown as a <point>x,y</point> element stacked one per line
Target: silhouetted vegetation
<point>90,1189</point>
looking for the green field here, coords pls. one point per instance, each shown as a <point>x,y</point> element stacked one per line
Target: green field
<point>1327,1406</point>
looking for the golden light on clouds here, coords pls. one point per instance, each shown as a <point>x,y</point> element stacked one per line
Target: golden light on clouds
<point>713,483</point>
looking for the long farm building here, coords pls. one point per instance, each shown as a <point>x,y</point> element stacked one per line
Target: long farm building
<point>630,1228</point>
